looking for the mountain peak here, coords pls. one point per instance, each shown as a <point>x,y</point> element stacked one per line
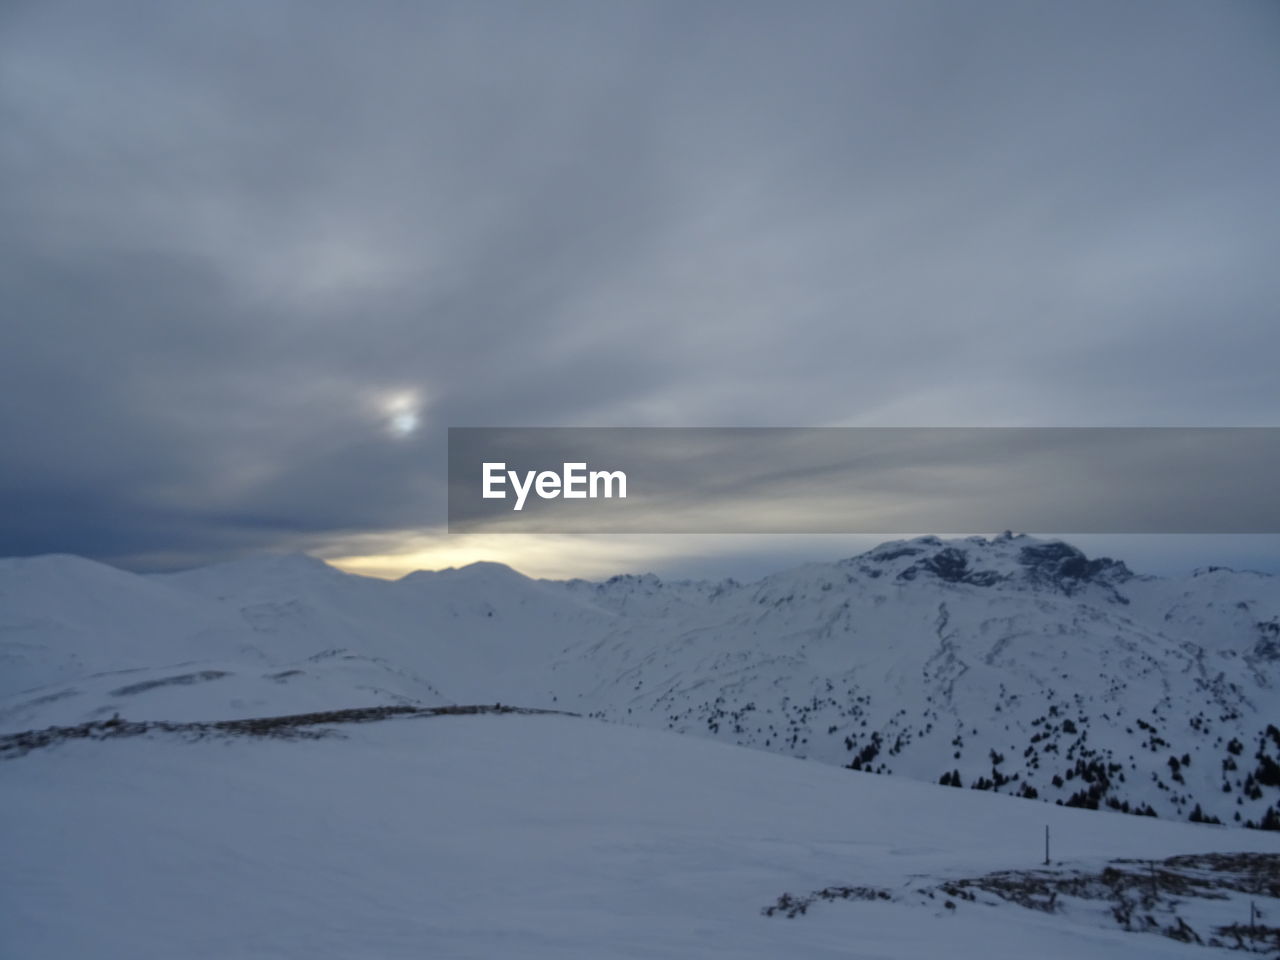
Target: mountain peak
<point>982,562</point>
<point>485,570</point>
<point>482,571</point>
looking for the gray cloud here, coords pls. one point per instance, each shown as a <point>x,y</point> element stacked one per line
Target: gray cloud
<point>229,230</point>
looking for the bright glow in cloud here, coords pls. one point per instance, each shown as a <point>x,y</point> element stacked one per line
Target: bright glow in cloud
<point>553,557</point>
<point>401,412</point>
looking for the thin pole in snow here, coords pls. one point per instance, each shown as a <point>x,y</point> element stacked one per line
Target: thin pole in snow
<point>1046,844</point>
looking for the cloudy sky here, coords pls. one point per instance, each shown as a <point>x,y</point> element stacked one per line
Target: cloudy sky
<point>258,256</point>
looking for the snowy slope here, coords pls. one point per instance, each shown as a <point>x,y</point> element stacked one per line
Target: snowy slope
<point>222,689</point>
<point>1011,664</point>
<point>63,617</point>
<point>532,837</point>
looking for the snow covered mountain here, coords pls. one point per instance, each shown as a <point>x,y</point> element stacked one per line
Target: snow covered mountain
<point>1013,664</point>
<point>1009,664</point>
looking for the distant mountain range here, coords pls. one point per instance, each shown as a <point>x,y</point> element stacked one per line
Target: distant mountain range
<point>1012,664</point>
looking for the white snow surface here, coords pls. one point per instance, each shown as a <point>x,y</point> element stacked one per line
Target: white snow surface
<point>526,837</point>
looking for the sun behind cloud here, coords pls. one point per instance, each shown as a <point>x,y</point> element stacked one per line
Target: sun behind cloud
<point>401,412</point>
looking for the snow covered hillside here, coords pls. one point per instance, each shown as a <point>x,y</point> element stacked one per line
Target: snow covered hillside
<point>549,836</point>
<point>1014,665</point>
